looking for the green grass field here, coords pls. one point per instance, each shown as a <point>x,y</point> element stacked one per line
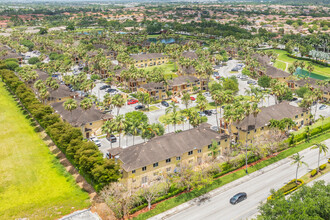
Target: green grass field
<point>283,57</point>
<point>280,65</point>
<point>33,184</point>
<point>168,68</point>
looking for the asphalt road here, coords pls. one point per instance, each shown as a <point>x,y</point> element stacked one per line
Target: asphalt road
<point>257,189</point>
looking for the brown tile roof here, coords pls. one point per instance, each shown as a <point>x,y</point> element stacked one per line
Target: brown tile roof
<point>153,86</point>
<point>277,112</point>
<point>312,83</point>
<point>166,146</point>
<point>273,72</point>
<point>79,116</point>
<point>147,56</point>
<point>183,80</point>
<point>42,75</point>
<point>190,55</point>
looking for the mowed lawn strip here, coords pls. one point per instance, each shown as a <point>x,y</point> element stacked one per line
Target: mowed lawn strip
<point>33,183</point>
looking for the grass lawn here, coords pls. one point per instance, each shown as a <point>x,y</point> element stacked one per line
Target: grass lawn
<point>152,108</point>
<point>280,65</point>
<point>175,201</point>
<point>33,183</point>
<point>168,68</point>
<point>318,69</point>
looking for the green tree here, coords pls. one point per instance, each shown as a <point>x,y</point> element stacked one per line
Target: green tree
<point>109,127</point>
<point>201,102</point>
<point>33,60</point>
<point>186,99</point>
<point>264,81</point>
<point>297,159</point>
<point>322,149</point>
<point>118,101</point>
<point>86,104</point>
<point>173,109</point>
<point>70,105</point>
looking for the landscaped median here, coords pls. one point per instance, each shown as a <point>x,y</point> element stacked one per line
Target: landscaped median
<point>224,179</point>
<point>289,187</point>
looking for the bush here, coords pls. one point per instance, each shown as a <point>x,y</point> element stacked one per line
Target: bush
<point>313,172</point>
<point>12,65</point>
<point>33,60</point>
<point>323,166</point>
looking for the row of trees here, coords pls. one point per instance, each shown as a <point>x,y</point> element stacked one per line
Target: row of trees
<point>84,155</point>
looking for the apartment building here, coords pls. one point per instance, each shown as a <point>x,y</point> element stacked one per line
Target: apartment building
<point>150,59</point>
<point>146,162</point>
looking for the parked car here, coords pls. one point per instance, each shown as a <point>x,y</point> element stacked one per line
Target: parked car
<point>132,101</point>
<point>105,87</point>
<point>112,138</point>
<point>252,82</point>
<point>164,103</point>
<point>322,107</point>
<point>238,198</point>
<point>192,98</point>
<point>201,114</point>
<point>294,99</point>
<point>208,112</point>
<point>96,141</point>
<point>111,90</point>
<point>244,77</point>
<point>207,94</point>
<point>138,107</point>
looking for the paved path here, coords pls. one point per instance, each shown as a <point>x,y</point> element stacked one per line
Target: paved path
<point>257,185</point>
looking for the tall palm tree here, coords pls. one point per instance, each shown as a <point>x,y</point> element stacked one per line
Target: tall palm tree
<point>310,69</point>
<point>186,99</point>
<point>70,105</point>
<point>201,102</point>
<point>167,122</point>
<point>218,98</point>
<point>135,127</point>
<point>44,94</point>
<point>120,125</point>
<point>322,149</point>
<point>109,127</point>
<point>173,108</point>
<point>297,159</point>
<point>118,101</point>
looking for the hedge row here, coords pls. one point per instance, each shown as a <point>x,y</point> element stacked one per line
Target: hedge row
<point>288,188</point>
<point>313,61</point>
<point>84,155</point>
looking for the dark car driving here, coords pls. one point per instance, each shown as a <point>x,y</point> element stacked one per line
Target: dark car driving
<point>164,103</point>
<point>238,198</point>
<point>138,107</point>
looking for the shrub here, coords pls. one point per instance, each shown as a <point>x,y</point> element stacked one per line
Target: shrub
<point>313,172</point>
<point>12,65</point>
<point>34,60</point>
<point>323,166</point>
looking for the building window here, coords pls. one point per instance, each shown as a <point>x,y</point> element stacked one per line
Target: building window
<point>302,114</point>
<point>209,146</point>
<point>255,130</point>
<point>155,164</point>
<point>59,99</point>
<point>262,128</point>
<point>199,151</point>
<point>168,169</point>
<point>178,158</point>
<point>133,171</point>
<point>296,116</point>
<point>225,140</point>
<point>168,160</point>
<point>190,152</point>
<point>248,132</point>
<point>144,168</point>
<point>218,142</point>
<point>144,179</point>
<point>90,123</point>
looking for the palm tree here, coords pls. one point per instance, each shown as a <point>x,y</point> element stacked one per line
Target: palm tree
<point>120,125</point>
<point>186,99</point>
<point>135,127</point>
<point>297,159</point>
<point>108,128</point>
<point>302,65</point>
<point>218,98</point>
<point>86,104</point>
<point>39,85</point>
<point>44,94</point>
<point>291,69</point>
<point>310,69</point>
<point>201,102</point>
<point>107,101</point>
<point>70,105</point>
<point>173,108</point>
<point>322,149</point>
<point>295,64</point>
<point>118,101</point>
<point>167,122</point>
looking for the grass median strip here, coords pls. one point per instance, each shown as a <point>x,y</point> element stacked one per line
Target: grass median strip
<point>175,201</point>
